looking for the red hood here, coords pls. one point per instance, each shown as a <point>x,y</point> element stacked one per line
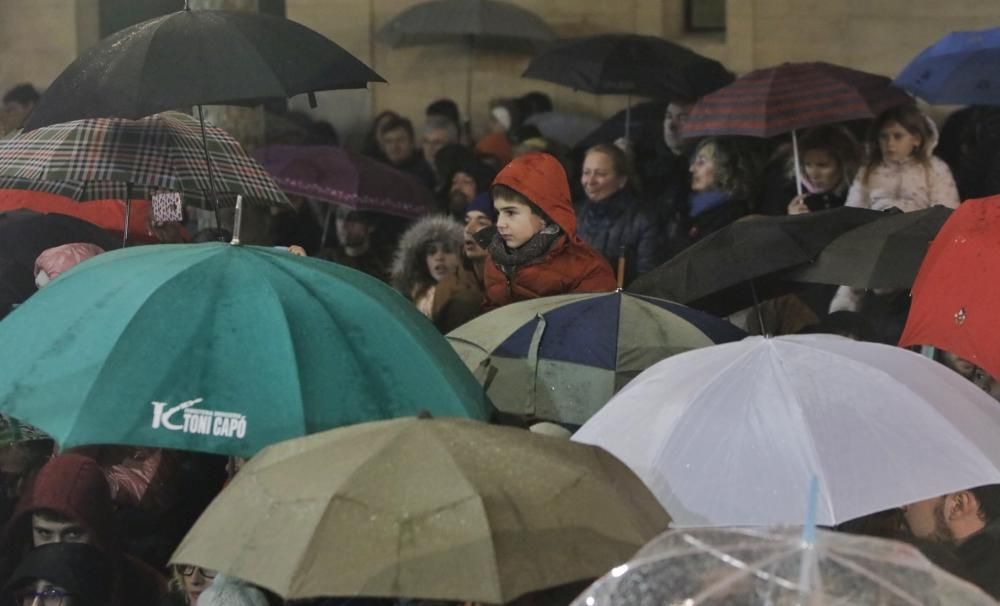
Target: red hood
<point>74,487</point>
<point>541,178</point>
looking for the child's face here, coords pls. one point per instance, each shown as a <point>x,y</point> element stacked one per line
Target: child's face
<point>442,260</point>
<point>516,223</point>
<point>897,143</point>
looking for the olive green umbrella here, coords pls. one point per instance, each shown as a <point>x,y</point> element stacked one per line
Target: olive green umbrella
<point>221,348</point>
<point>446,509</point>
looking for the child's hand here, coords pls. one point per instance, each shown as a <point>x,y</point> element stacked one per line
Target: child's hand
<point>798,205</point>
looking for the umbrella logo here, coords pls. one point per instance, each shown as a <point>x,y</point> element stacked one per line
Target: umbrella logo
<point>199,421</point>
<point>960,316</point>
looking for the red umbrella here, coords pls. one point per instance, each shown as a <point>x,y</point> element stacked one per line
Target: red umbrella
<point>776,100</point>
<point>956,296</point>
<point>106,214</point>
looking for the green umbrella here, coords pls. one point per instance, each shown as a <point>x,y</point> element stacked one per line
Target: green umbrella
<point>446,509</point>
<point>221,348</point>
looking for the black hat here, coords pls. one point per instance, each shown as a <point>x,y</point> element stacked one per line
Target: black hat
<point>81,569</point>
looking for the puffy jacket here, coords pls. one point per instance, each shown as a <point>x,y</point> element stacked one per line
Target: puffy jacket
<point>619,222</point>
<point>570,265</point>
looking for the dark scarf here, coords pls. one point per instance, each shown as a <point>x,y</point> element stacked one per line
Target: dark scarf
<point>508,260</point>
<point>702,202</point>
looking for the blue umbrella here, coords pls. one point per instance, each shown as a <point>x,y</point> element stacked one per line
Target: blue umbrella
<point>963,68</point>
<point>562,358</point>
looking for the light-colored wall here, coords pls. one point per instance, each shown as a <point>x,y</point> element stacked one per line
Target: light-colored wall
<point>39,37</point>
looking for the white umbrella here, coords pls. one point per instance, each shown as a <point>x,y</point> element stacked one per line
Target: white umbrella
<point>731,435</point>
<point>776,567</point>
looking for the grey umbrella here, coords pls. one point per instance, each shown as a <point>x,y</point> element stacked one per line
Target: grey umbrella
<point>477,23</point>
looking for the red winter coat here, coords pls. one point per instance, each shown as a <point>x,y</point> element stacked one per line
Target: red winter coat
<point>570,266</point>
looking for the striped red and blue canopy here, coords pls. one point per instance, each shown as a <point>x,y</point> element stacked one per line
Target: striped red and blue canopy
<point>777,100</point>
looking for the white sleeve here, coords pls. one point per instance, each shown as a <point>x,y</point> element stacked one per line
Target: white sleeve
<point>943,189</point>
<point>858,194</point>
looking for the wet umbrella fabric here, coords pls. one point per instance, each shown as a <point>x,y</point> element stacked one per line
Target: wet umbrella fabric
<point>224,349</point>
<point>957,291</point>
<point>339,176</point>
<point>198,57</point>
<point>885,253</point>
<point>715,273</point>
<point>629,64</point>
<point>102,158</point>
<point>446,509</point>
<point>716,566</point>
<point>562,358</point>
<point>877,426</point>
<point>482,22</point>
<point>777,100</point>
<point>959,69</point>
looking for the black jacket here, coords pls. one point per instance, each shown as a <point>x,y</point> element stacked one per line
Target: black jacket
<point>621,221</point>
<point>980,557</point>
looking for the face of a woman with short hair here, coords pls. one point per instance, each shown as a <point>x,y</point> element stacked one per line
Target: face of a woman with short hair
<point>600,180</point>
<point>703,169</point>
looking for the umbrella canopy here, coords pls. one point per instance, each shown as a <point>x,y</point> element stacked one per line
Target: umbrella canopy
<point>885,253</point>
<point>715,273</point>
<point>562,358</point>
<point>776,566</point>
<point>645,126</point>
<point>199,57</point>
<point>878,426</point>
<point>959,69</point>
<point>100,158</point>
<point>424,508</point>
<point>222,348</point>
<point>339,176</point>
<point>957,292</point>
<point>791,96</point>
<point>485,22</point>
<point>629,64</point>
<point>106,214</point>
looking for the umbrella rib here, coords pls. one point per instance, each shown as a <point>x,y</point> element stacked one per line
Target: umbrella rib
<point>882,582</point>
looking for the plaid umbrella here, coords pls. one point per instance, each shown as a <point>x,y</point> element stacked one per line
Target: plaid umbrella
<point>790,96</point>
<point>107,158</point>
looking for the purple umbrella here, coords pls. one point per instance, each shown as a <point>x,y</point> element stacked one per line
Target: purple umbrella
<point>338,176</point>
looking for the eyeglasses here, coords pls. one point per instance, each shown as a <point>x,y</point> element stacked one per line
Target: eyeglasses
<point>187,571</point>
<point>49,596</point>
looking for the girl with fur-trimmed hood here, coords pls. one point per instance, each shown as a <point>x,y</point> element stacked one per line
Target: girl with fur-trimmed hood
<point>428,270</point>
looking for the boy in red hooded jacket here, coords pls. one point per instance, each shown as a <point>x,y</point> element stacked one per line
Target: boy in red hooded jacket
<point>533,249</point>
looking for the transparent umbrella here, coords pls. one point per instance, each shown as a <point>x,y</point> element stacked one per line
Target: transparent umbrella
<point>751,567</point>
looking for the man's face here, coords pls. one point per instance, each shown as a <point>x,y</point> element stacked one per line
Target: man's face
<point>515,222</point>
<point>397,145</point>
<point>15,113</point>
<point>463,190</point>
<point>926,520</point>
<point>352,230</point>
<point>673,120</point>
<point>46,530</point>
<point>434,140</point>
<point>475,221</point>
<point>44,593</point>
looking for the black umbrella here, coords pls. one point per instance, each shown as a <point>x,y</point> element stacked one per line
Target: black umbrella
<point>883,254</point>
<point>629,64</point>
<point>646,126</point>
<point>200,57</point>
<point>481,22</point>
<point>729,269</point>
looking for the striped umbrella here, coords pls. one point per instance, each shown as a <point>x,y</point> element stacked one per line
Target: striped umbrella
<point>777,100</point>
<point>562,358</point>
<point>113,158</point>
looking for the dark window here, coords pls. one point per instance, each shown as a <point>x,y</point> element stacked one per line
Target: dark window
<point>705,15</point>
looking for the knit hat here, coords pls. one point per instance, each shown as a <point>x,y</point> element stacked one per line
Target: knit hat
<point>484,204</point>
<point>79,568</point>
<point>229,591</point>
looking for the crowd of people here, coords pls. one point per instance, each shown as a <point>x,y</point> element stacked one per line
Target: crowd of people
<point>521,212</point>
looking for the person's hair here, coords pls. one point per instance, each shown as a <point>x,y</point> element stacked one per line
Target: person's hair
<point>836,141</point>
<point>445,108</point>
<point>850,324</point>
<point>437,122</point>
<point>534,102</point>
<point>396,123</point>
<point>620,161</point>
<point>736,165</point>
<point>25,94</point>
<point>913,121</point>
<point>988,497</point>
<point>500,190</point>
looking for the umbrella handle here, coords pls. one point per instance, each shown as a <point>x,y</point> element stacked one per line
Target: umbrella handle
<point>621,267</point>
<point>798,164</point>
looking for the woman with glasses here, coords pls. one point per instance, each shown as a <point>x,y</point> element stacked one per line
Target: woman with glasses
<point>61,574</point>
<point>186,584</point>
